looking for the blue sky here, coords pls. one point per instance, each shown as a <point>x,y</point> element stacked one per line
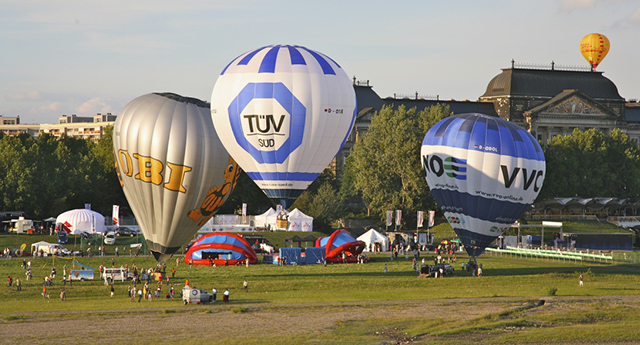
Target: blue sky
<point>84,57</point>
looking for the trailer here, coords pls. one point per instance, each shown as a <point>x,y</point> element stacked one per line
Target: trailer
<point>82,274</point>
<point>22,226</point>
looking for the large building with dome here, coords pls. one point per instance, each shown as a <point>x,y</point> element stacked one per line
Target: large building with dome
<point>547,101</point>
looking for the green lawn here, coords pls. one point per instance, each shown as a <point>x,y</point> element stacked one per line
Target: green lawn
<point>291,289</point>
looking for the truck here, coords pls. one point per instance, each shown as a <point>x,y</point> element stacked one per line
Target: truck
<point>22,226</point>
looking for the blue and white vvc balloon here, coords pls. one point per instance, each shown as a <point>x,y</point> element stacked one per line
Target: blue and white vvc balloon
<point>484,173</point>
<point>283,112</point>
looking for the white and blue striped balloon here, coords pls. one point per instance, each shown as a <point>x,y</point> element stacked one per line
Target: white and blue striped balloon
<point>283,112</point>
<point>484,173</point>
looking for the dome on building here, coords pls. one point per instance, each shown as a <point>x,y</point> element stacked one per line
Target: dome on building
<point>548,83</point>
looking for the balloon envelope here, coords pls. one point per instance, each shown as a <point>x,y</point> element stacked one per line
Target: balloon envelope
<point>283,112</point>
<point>594,47</point>
<point>484,173</point>
<point>174,171</point>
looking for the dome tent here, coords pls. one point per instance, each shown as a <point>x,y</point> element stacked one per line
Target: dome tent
<point>339,243</point>
<point>221,248</point>
<point>81,220</point>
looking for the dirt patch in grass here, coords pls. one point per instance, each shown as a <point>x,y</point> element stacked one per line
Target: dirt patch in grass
<point>280,323</point>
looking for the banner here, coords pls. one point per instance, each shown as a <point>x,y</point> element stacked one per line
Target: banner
<point>398,217</point>
<point>389,217</point>
<point>422,239</point>
<point>420,218</point>
<point>87,206</point>
<point>115,215</point>
<point>244,213</point>
<point>432,217</point>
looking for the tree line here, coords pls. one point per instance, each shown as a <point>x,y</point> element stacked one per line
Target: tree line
<point>46,176</point>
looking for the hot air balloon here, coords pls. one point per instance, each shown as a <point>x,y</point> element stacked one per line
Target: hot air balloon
<point>594,47</point>
<point>283,112</point>
<point>484,173</point>
<point>173,169</point>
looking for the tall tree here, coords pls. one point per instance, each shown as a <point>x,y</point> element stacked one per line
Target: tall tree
<point>384,165</point>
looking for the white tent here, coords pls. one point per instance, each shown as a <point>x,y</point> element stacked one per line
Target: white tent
<point>299,221</point>
<point>267,219</point>
<point>372,237</point>
<point>82,220</point>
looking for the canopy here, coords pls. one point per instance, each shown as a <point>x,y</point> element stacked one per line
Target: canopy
<point>299,221</point>
<point>341,246</point>
<point>267,219</point>
<point>81,220</point>
<point>221,248</point>
<point>372,237</point>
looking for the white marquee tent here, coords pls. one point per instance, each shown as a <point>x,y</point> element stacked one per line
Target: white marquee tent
<point>82,220</point>
<point>373,236</point>
<point>299,221</point>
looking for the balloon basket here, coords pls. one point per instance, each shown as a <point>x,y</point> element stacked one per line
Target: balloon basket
<point>282,224</point>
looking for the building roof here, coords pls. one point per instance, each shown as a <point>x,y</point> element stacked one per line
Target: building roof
<point>549,83</point>
<point>368,99</point>
<point>632,113</point>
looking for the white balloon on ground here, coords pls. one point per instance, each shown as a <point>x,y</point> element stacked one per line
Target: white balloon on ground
<point>174,171</point>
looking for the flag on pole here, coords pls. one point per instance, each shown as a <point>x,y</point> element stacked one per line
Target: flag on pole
<point>398,217</point>
<point>420,218</point>
<point>116,215</point>
<point>389,217</point>
<point>87,206</point>
<point>244,213</point>
<point>432,217</point>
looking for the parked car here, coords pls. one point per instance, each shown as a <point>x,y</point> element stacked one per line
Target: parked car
<point>124,231</point>
<point>190,295</point>
<point>110,238</point>
<point>431,270</point>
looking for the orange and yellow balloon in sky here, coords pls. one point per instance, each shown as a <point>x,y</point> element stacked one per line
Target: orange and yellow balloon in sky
<point>594,47</point>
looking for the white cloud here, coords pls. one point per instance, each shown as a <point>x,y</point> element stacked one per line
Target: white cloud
<point>635,16</point>
<point>94,106</point>
<point>51,107</point>
<point>577,4</point>
<point>24,95</point>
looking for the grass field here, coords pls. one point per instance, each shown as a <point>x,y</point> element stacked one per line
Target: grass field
<point>359,304</point>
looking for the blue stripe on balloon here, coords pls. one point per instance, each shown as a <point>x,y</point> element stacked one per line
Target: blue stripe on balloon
<point>245,60</point>
<point>486,134</point>
<point>296,57</point>
<point>488,209</point>
<point>268,64</point>
<point>474,243</point>
<point>326,67</point>
<point>282,176</point>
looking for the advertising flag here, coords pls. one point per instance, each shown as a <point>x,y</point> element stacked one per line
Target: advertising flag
<point>420,218</point>
<point>398,217</point>
<point>389,217</point>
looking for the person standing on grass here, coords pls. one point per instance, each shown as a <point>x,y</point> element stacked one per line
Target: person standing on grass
<point>112,291</point>
<point>225,296</point>
<point>245,285</point>
<point>139,295</point>
<point>581,281</point>
<point>214,292</point>
<point>18,284</point>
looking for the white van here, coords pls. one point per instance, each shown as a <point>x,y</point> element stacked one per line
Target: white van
<point>116,274</point>
<point>110,238</point>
